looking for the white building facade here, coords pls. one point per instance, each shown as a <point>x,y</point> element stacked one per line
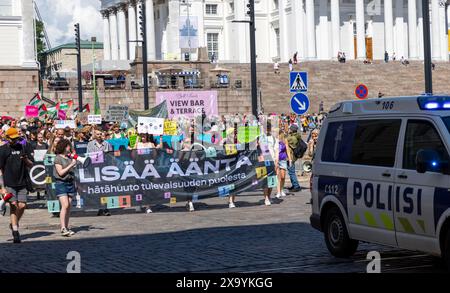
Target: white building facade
<point>18,45</point>
<point>316,30</point>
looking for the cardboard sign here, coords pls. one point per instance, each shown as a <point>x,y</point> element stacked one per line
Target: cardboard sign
<point>151,125</point>
<point>118,143</point>
<point>95,119</point>
<point>39,155</point>
<point>61,124</point>
<point>170,127</point>
<point>83,117</point>
<point>31,111</point>
<point>117,113</point>
<point>133,140</point>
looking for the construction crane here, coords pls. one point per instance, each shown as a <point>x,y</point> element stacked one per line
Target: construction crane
<point>38,14</point>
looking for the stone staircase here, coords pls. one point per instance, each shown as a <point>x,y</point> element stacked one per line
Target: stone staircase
<point>332,82</point>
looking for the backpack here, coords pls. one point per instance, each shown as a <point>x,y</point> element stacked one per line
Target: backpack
<point>300,149</point>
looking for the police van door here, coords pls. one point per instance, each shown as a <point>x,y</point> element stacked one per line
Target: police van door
<point>371,180</point>
<point>417,195</point>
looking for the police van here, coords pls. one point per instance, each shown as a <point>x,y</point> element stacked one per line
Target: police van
<point>381,174</point>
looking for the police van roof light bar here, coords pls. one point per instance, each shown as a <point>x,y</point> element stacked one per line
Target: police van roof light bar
<point>434,102</point>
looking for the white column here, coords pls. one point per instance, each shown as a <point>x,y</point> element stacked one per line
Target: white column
<point>151,50</point>
<point>335,28</point>
<point>311,29</point>
<point>412,28</point>
<point>28,36</point>
<point>388,27</point>
<point>399,30</point>
<point>442,33</point>
<point>106,37</point>
<point>322,43</point>
<point>436,45</point>
<point>299,22</point>
<point>284,50</point>
<point>114,37</point>
<point>360,30</point>
<point>123,42</point>
<point>132,35</point>
<point>419,30</point>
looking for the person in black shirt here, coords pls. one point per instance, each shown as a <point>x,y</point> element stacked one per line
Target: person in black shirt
<point>16,157</point>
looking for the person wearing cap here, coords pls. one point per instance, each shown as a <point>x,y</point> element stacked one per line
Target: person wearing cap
<point>16,158</point>
<point>293,139</point>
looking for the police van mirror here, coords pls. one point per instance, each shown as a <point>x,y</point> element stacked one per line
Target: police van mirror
<point>427,160</point>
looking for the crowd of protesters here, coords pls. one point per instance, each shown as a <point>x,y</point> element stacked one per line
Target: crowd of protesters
<point>20,138</point>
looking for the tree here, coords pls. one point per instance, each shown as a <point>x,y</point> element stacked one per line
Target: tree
<point>40,37</point>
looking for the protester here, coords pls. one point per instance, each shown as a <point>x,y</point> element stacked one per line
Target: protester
<point>283,158</point>
<point>40,143</point>
<point>312,143</point>
<point>63,172</point>
<point>294,139</point>
<point>15,160</point>
<point>99,145</point>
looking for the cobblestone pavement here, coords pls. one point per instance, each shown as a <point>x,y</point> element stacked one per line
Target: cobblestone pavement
<point>250,238</point>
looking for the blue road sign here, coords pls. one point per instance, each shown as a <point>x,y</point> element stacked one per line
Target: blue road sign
<point>300,103</point>
<point>298,82</point>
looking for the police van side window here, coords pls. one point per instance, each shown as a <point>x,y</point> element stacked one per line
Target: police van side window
<point>336,147</point>
<point>421,134</point>
<point>375,142</point>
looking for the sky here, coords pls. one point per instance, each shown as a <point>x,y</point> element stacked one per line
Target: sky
<point>59,17</point>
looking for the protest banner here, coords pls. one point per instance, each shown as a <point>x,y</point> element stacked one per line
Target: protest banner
<point>95,119</point>
<point>65,123</point>
<point>152,176</point>
<point>117,113</point>
<point>31,111</point>
<point>170,127</point>
<point>151,125</point>
<point>189,103</point>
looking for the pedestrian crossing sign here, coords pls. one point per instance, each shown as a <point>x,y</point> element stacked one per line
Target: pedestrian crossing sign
<point>298,82</point>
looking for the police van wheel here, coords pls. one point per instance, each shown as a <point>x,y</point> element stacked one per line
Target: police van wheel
<point>336,235</point>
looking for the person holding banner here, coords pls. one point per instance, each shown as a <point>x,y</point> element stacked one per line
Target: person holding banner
<point>99,145</point>
<point>64,174</point>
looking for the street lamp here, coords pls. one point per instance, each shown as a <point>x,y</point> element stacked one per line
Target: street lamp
<point>78,48</point>
<point>251,22</point>
<point>427,47</point>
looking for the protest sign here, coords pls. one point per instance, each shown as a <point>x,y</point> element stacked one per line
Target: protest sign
<point>83,117</point>
<point>119,143</point>
<point>117,113</point>
<point>133,140</point>
<point>39,155</point>
<point>151,125</point>
<point>95,119</point>
<point>247,134</point>
<point>189,103</point>
<point>65,123</point>
<point>62,115</point>
<point>136,178</point>
<point>31,111</point>
<point>170,127</point>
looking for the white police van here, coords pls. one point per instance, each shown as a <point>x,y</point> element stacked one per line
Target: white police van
<point>381,174</point>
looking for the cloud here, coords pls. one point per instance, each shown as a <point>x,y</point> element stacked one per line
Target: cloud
<point>59,17</point>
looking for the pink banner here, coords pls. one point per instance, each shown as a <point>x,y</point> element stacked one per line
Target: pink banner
<point>31,111</point>
<point>62,115</point>
<point>189,103</point>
